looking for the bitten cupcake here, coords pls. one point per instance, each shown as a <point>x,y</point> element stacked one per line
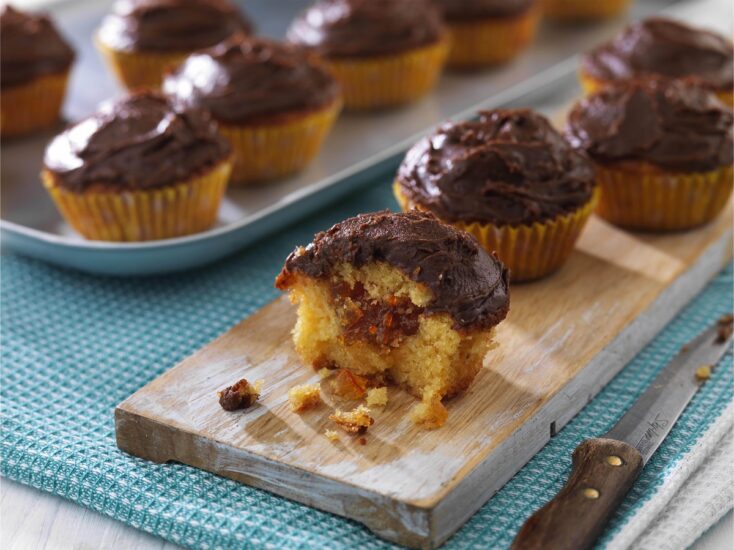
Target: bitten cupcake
<point>508,178</point>
<point>487,32</point>
<point>142,38</point>
<point>663,47</point>
<point>662,150</point>
<point>383,52</point>
<point>35,62</point>
<point>399,299</point>
<point>582,10</point>
<point>274,103</point>
<point>141,168</point>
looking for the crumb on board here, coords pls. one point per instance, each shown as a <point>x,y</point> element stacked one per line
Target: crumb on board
<point>726,328</point>
<point>703,372</point>
<point>240,395</point>
<point>348,385</point>
<point>325,373</point>
<point>362,441</point>
<point>355,421</point>
<point>377,397</point>
<point>332,435</point>
<point>429,413</point>
<point>304,397</point>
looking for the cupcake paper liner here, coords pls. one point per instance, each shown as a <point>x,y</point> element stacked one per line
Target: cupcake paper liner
<point>490,41</point>
<point>32,106</point>
<point>139,69</point>
<point>172,211</point>
<point>266,152</point>
<point>648,198</point>
<point>387,81</point>
<point>529,251</point>
<point>583,9</point>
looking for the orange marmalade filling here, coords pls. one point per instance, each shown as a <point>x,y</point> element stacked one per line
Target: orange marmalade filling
<point>382,323</point>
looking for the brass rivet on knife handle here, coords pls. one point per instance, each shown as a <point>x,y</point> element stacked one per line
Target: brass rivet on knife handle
<point>579,512</point>
<point>614,460</point>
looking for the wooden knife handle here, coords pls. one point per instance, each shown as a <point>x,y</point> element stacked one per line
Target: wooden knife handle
<point>603,471</point>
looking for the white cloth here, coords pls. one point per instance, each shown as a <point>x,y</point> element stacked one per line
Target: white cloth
<point>695,495</point>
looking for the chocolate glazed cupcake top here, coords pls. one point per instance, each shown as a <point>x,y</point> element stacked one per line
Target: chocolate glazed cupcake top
<point>245,79</point>
<point>673,124</point>
<point>664,47</point>
<point>461,10</point>
<point>363,28</point>
<point>467,283</point>
<point>508,167</point>
<point>170,25</point>
<point>142,141</point>
<point>30,46</point>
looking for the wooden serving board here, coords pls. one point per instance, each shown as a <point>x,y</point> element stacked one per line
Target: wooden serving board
<point>565,337</point>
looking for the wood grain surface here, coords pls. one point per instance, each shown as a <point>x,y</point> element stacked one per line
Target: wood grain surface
<point>565,337</point>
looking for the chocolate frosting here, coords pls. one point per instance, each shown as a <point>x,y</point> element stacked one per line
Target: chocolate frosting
<point>670,123</point>
<point>245,79</point>
<point>461,10</point>
<point>142,141</point>
<point>30,46</point>
<point>664,47</point>
<point>467,283</point>
<point>171,25</point>
<point>358,28</point>
<point>508,167</point>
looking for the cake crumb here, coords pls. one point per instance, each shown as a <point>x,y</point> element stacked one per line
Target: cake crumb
<point>362,441</point>
<point>325,373</point>
<point>240,395</point>
<point>703,372</point>
<point>726,327</point>
<point>377,397</point>
<point>429,413</point>
<point>306,396</point>
<point>332,435</point>
<point>355,421</point>
<point>348,385</point>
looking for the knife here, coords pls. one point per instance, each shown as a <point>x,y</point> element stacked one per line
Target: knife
<point>604,468</point>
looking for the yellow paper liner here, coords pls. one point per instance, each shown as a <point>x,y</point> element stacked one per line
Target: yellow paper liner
<point>32,106</point>
<point>574,10</point>
<point>648,198</point>
<point>529,251</point>
<point>145,215</point>
<point>266,152</point>
<point>139,69</point>
<point>490,41</point>
<point>386,81</point>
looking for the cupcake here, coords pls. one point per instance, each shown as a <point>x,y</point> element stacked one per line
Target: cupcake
<point>662,150</point>
<point>383,52</point>
<point>141,168</point>
<point>35,62</point>
<point>509,179</point>
<point>273,102</point>
<point>583,10</point>
<point>487,32</point>
<point>399,299</point>
<point>663,47</point>
<point>142,38</point>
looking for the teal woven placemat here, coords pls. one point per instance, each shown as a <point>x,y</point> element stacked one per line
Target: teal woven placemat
<point>74,346</point>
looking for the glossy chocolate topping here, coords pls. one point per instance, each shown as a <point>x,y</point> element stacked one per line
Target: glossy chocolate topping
<point>142,141</point>
<point>170,25</point>
<point>242,80</point>
<point>672,124</point>
<point>460,10</point>
<point>30,46</point>
<point>664,47</point>
<point>467,283</point>
<point>357,28</point>
<point>509,167</point>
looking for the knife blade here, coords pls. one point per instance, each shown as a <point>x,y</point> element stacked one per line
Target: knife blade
<point>605,468</point>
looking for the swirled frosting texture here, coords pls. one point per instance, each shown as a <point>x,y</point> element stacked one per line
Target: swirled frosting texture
<point>673,124</point>
<point>358,28</point>
<point>142,141</point>
<point>245,79</point>
<point>30,46</point>
<point>461,10</point>
<point>170,25</point>
<point>508,167</point>
<point>664,47</point>
<point>467,283</point>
